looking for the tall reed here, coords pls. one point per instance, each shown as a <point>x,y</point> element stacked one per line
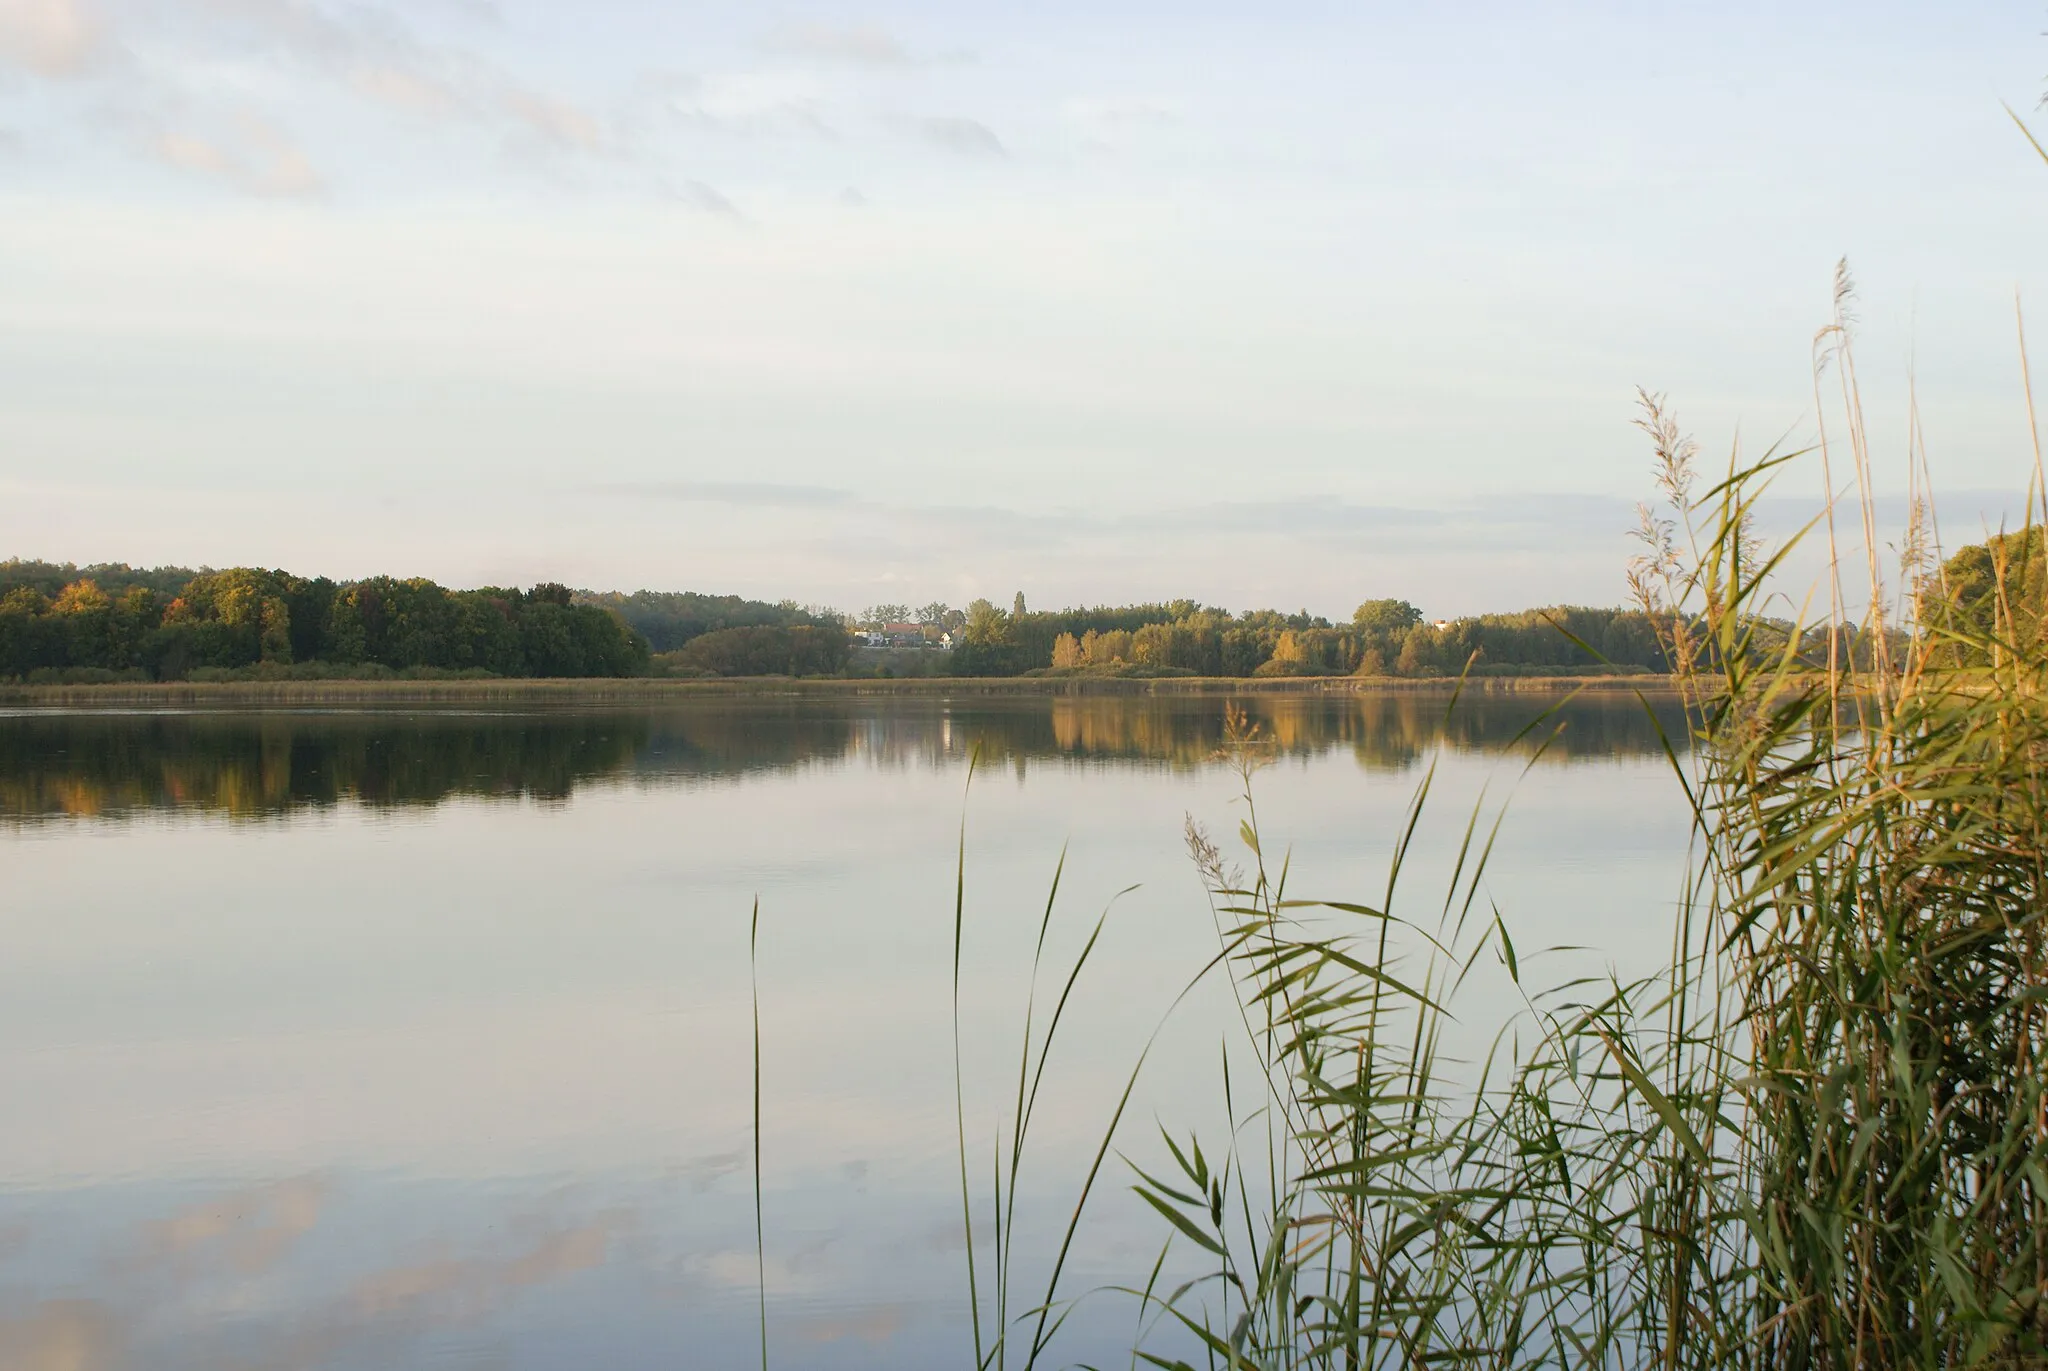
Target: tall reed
<point>1819,1139</point>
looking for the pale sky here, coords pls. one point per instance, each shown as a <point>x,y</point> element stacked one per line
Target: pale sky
<point>1277,304</point>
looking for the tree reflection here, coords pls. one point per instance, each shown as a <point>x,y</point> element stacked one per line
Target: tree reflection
<point>255,765</point>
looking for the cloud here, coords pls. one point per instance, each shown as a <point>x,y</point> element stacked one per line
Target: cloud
<point>851,197</point>
<point>870,530</point>
<point>54,38</point>
<point>403,89</point>
<point>964,136</point>
<point>258,158</point>
<point>1290,516</point>
<point>748,102</point>
<point>1120,111</point>
<point>557,121</point>
<point>759,494</point>
<point>474,11</point>
<point>861,45</point>
<point>307,31</point>
<point>698,196</point>
<point>372,54</point>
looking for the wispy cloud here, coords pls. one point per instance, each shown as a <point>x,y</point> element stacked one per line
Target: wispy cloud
<point>377,56</point>
<point>557,121</point>
<point>54,38</point>
<point>1291,516</point>
<point>968,137</point>
<point>1120,111</point>
<point>706,199</point>
<point>747,102</point>
<point>167,82</point>
<point>760,494</point>
<point>255,157</point>
<point>400,88</point>
<point>862,45</point>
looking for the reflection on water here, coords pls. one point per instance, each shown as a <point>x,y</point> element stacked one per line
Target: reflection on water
<point>264,763</point>
<point>438,1050</point>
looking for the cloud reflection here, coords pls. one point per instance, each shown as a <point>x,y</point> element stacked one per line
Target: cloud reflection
<point>247,1232</point>
<point>63,1335</point>
<point>228,1284</point>
<point>881,1324</point>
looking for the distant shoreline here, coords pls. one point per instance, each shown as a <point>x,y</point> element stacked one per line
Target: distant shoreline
<point>646,690</point>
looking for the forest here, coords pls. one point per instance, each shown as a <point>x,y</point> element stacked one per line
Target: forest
<point>1384,637</point>
<point>114,622</point>
<point>60,622</point>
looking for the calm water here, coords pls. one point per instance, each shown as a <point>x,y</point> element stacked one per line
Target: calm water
<point>395,1039</point>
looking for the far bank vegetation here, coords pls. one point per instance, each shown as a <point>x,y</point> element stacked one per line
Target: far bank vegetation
<point>64,624</point>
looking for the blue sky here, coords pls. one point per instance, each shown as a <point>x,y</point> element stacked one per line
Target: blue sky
<point>1279,304</point>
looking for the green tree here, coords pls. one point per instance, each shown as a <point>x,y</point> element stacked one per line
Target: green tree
<point>1392,618</point>
<point>1418,654</point>
<point>669,619</point>
<point>986,625</point>
<point>30,637</point>
<point>86,615</point>
<point>765,650</point>
<point>1152,645</point>
<point>274,630</point>
<point>2012,567</point>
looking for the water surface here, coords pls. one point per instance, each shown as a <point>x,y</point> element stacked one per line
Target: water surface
<point>353,1039</point>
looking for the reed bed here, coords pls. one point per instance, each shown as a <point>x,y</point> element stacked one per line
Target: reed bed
<point>1817,1140</point>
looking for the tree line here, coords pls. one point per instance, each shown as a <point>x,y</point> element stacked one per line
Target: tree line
<point>1384,637</point>
<point>173,624</point>
<point>670,620</point>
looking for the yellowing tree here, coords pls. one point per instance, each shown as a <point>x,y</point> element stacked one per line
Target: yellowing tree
<point>1113,646</point>
<point>276,640</point>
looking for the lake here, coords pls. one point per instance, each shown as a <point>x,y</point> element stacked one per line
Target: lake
<point>423,1037</point>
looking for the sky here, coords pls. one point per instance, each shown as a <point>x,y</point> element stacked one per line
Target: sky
<point>1291,304</point>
